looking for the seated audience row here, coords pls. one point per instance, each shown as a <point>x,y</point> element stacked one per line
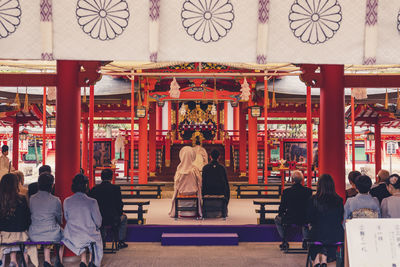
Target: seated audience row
<point>41,220</point>
<point>325,213</point>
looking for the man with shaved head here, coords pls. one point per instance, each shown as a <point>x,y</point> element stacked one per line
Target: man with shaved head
<point>379,190</point>
<point>292,209</point>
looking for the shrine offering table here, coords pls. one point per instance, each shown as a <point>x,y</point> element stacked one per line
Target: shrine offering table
<point>261,190</point>
<point>139,211</point>
<point>151,190</point>
<point>262,211</point>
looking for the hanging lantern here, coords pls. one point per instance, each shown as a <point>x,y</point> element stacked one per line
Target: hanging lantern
<point>369,135</point>
<point>141,112</point>
<point>23,135</point>
<point>174,89</point>
<point>234,104</point>
<point>255,111</point>
<point>245,89</point>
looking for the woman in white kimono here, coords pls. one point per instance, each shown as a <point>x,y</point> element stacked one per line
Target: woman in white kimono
<point>83,221</point>
<point>201,155</point>
<point>187,180</point>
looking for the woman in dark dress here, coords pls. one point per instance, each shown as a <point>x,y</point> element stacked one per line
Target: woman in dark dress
<point>14,218</point>
<point>325,214</point>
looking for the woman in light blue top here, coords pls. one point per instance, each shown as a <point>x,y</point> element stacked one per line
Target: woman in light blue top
<point>46,216</point>
<point>391,205</point>
<point>83,219</point>
<point>363,200</point>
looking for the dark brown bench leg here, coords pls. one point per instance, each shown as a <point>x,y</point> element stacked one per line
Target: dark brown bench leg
<point>22,249</point>
<point>262,214</point>
<point>176,208</point>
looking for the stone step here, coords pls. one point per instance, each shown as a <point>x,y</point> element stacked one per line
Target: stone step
<point>199,239</point>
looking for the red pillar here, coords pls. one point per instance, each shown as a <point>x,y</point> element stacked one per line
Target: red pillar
<point>378,149</point>
<point>85,145</point>
<point>243,140</point>
<point>131,167</point>
<point>353,143</point>
<point>91,132</point>
<point>266,148</point>
<point>44,127</point>
<point>226,115</point>
<point>15,154</point>
<point>309,138</point>
<point>169,103</point>
<point>68,115</point>
<point>143,146</point>
<point>158,118</point>
<point>152,139</point>
<point>252,122</point>
<point>236,115</point>
<point>332,160</point>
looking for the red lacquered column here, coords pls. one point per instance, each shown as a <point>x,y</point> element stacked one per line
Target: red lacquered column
<point>68,117</point>
<point>242,140</point>
<point>332,156</point>
<point>15,154</point>
<point>378,149</point>
<point>252,124</point>
<point>152,139</point>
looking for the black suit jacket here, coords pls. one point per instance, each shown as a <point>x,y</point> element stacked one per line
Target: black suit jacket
<point>214,180</point>
<point>109,198</point>
<point>33,188</point>
<point>380,192</point>
<point>293,205</point>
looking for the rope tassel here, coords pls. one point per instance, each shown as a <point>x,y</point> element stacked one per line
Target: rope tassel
<point>386,100</point>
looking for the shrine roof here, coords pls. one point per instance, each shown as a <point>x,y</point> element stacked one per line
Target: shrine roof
<point>115,83</point>
<point>366,115</point>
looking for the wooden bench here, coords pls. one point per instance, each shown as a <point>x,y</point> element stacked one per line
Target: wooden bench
<point>262,211</point>
<point>195,208</point>
<point>57,245</point>
<point>136,190</point>
<point>140,211</point>
<point>260,189</point>
<point>219,205</point>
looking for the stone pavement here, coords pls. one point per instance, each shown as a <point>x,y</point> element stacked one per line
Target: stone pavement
<point>246,254</point>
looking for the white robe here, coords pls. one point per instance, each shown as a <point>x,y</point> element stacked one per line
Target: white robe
<point>201,157</point>
<point>187,178</point>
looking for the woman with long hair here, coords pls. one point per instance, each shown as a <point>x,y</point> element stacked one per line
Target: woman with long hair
<point>14,219</point>
<point>325,215</point>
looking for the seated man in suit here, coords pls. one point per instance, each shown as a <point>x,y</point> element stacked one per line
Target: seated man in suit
<point>292,209</point>
<point>214,180</point>
<point>379,190</point>
<point>33,188</point>
<point>109,198</point>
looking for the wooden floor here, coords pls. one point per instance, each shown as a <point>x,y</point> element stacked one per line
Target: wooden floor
<point>240,212</point>
<point>245,254</point>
